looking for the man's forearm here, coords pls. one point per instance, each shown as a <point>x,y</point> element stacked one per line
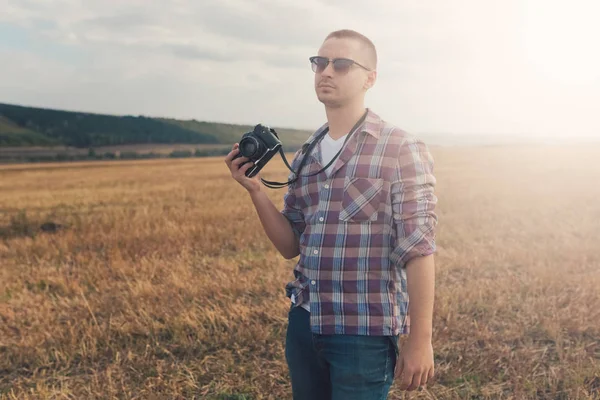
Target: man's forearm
<point>420,275</point>
<point>276,226</point>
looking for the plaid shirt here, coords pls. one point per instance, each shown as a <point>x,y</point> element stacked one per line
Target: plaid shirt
<point>359,227</point>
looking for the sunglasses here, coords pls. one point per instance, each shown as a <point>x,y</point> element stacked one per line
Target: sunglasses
<point>340,65</point>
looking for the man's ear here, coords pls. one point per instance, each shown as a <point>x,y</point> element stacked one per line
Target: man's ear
<point>372,77</point>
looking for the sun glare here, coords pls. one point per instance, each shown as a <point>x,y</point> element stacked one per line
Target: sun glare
<point>562,40</point>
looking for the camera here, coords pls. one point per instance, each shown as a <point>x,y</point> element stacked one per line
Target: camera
<point>259,145</point>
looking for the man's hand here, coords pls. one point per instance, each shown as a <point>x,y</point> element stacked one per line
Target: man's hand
<point>252,185</point>
<point>416,357</point>
<point>415,363</point>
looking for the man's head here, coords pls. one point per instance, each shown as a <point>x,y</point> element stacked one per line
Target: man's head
<point>344,82</point>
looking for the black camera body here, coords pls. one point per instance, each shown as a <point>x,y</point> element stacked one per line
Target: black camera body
<point>259,145</point>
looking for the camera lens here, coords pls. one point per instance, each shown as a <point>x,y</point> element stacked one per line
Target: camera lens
<point>249,147</point>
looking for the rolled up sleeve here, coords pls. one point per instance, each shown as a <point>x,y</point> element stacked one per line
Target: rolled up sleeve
<point>413,203</point>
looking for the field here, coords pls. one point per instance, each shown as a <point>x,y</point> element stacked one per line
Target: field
<point>157,282</point>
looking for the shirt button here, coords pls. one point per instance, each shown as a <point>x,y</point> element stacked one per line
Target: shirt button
<point>316,251</point>
<point>313,282</point>
<point>326,186</point>
<point>321,219</point>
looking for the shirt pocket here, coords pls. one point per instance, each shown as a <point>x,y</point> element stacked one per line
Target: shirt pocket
<point>361,199</point>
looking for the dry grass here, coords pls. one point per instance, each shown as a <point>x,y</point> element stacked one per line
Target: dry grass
<point>161,284</point>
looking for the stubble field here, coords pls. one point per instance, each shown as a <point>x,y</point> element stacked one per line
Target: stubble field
<point>159,283</point>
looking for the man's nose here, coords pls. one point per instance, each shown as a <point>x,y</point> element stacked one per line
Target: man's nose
<point>328,71</point>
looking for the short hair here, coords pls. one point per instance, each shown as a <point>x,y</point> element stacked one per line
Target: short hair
<point>366,42</point>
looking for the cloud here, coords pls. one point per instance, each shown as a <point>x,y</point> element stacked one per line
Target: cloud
<point>443,65</point>
<point>197,53</point>
<point>272,23</point>
<point>279,34</point>
<point>129,22</point>
<point>282,33</point>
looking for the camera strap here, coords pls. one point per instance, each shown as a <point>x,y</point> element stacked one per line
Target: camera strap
<point>306,150</point>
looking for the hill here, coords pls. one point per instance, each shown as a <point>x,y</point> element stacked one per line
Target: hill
<point>231,133</point>
<point>13,135</point>
<point>29,126</point>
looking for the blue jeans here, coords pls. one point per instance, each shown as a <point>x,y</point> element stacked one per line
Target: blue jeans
<point>336,367</point>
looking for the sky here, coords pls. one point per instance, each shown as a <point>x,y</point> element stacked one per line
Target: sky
<point>481,67</point>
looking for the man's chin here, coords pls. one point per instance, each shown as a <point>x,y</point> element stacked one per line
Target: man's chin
<point>327,100</point>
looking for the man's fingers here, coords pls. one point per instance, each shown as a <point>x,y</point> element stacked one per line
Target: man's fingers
<point>425,378</point>
<point>239,161</point>
<point>416,381</point>
<point>245,167</point>
<point>231,154</point>
<point>241,171</point>
<point>430,375</point>
<point>406,380</point>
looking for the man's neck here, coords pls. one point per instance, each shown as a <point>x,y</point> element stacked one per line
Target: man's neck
<point>341,120</point>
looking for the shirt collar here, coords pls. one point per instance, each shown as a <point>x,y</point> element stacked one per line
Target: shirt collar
<point>371,125</point>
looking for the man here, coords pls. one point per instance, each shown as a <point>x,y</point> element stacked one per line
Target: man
<point>364,226</point>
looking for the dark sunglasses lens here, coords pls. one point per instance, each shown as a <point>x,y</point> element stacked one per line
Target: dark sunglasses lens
<point>319,64</point>
<point>342,65</point>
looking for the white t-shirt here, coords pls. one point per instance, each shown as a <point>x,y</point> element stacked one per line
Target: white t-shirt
<point>329,148</point>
